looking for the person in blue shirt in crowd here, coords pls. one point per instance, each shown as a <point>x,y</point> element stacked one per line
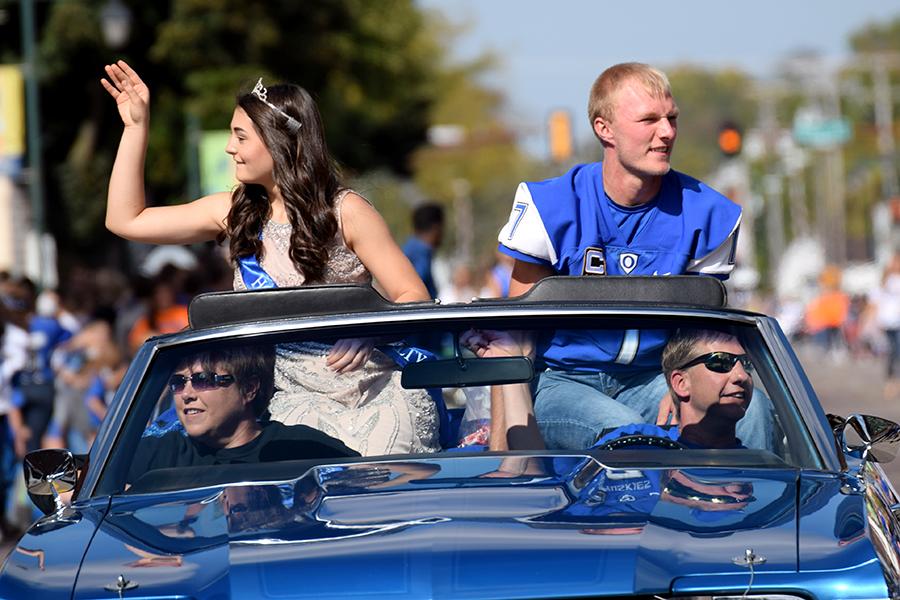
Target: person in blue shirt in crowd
<point>428,233</point>
<point>708,374</point>
<point>34,389</point>
<point>630,214</point>
<point>100,392</point>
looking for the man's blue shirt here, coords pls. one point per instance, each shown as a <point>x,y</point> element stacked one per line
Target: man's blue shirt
<point>570,225</point>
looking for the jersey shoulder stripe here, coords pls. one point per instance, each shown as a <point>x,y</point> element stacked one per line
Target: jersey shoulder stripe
<point>525,232</point>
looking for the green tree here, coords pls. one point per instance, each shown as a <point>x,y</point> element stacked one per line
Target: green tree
<point>707,98</point>
<point>862,154</point>
<point>485,164</point>
<point>371,65</point>
<point>877,37</point>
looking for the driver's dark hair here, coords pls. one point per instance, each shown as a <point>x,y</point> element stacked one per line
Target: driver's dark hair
<point>248,364</point>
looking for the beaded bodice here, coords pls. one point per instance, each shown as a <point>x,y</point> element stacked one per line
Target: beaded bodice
<point>343,265</point>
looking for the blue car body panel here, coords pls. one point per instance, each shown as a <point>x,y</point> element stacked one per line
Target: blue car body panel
<point>459,532</point>
<point>45,562</point>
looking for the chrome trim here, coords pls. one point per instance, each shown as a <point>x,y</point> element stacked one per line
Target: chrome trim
<point>441,314</point>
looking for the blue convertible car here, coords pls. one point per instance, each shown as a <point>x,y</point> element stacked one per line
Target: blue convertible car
<point>806,513</point>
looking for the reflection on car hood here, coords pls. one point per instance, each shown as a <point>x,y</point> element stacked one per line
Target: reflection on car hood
<point>457,527</point>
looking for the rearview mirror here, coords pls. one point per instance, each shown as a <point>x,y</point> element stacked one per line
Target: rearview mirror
<point>870,438</point>
<point>467,372</point>
<point>49,473</point>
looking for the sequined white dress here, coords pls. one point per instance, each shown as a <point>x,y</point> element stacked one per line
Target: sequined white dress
<point>367,409</point>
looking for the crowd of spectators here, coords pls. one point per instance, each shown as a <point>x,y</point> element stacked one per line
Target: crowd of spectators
<point>65,351</point>
<point>842,322</point>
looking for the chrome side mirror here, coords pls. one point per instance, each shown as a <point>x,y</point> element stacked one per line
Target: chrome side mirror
<point>869,438</point>
<point>49,473</point>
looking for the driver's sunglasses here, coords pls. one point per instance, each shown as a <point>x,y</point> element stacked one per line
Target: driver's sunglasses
<point>202,381</point>
<point>720,362</point>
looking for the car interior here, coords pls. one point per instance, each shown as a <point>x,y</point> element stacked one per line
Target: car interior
<point>459,384</point>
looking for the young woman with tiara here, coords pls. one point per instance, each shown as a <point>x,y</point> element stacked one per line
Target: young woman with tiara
<point>289,222</point>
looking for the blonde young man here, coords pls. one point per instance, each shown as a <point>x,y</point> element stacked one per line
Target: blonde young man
<point>630,214</point>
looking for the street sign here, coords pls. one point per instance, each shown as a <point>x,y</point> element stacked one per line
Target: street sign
<point>821,133</point>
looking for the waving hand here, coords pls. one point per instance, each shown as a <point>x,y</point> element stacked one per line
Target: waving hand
<point>131,94</point>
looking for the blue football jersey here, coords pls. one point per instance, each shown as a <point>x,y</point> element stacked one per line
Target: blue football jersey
<point>567,224</point>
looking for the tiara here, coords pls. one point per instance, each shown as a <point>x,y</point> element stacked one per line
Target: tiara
<point>260,91</point>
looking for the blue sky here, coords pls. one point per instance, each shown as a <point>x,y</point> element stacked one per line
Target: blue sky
<point>551,50</point>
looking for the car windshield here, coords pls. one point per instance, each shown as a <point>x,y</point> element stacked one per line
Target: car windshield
<point>268,406</point>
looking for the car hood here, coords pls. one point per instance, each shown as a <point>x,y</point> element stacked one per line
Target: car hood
<point>457,527</point>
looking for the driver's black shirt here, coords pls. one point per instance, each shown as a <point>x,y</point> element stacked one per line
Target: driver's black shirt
<point>276,442</point>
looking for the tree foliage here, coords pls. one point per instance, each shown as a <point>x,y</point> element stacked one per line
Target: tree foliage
<point>707,98</point>
<point>877,37</point>
<point>485,166</point>
<point>864,164</point>
<point>372,66</point>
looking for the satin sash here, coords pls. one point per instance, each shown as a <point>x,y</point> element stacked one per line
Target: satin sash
<point>254,276</point>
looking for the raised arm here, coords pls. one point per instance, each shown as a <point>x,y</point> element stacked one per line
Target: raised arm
<point>368,236</point>
<point>126,213</point>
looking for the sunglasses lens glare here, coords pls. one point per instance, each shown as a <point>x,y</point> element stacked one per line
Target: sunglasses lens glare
<point>199,381</point>
<point>721,363</point>
<point>203,380</point>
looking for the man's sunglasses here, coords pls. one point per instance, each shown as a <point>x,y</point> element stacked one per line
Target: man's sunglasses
<point>202,381</point>
<point>720,362</point>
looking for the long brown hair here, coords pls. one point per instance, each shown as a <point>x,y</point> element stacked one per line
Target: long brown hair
<point>304,172</point>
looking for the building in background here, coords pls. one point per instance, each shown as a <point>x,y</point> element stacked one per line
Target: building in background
<point>22,251</point>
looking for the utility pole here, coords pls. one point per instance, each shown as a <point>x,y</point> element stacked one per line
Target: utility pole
<point>828,134</point>
<point>879,65</point>
<point>884,124</point>
<point>793,161</point>
<point>836,232</point>
<point>33,125</point>
<point>772,187</point>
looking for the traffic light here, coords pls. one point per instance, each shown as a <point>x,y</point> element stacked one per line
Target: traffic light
<point>730,139</point>
<point>560,128</point>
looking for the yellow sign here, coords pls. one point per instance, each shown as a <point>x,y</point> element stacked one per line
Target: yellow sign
<point>560,129</point>
<point>12,112</point>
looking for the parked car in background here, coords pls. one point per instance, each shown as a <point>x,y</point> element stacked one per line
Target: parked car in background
<point>811,517</point>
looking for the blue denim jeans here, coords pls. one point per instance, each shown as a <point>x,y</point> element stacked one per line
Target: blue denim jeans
<point>573,409</point>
